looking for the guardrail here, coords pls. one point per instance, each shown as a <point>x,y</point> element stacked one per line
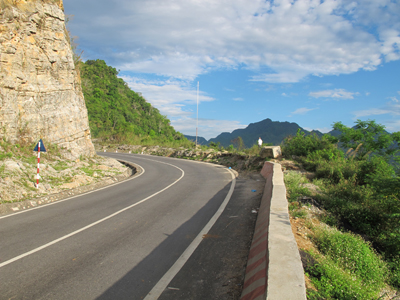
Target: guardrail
<point>274,269</point>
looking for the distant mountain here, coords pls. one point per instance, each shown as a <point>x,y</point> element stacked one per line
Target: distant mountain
<point>200,140</point>
<point>335,133</point>
<point>270,132</point>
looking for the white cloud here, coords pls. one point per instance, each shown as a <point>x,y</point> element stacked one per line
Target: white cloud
<point>336,94</point>
<point>393,125</point>
<point>238,99</point>
<point>280,40</point>
<point>391,108</point>
<point>370,112</point>
<point>301,111</point>
<point>177,66</point>
<point>207,128</point>
<point>169,96</point>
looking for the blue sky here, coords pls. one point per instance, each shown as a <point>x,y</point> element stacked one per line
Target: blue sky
<point>312,62</point>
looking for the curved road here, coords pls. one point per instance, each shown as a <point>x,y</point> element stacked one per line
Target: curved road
<point>121,242</point>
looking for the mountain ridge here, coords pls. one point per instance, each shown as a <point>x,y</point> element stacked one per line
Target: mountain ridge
<point>273,132</point>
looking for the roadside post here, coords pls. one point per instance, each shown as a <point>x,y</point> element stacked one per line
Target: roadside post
<point>39,147</point>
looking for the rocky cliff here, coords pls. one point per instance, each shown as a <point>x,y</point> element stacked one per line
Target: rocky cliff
<point>40,88</point>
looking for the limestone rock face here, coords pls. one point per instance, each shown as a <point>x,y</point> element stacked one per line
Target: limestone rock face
<point>40,89</point>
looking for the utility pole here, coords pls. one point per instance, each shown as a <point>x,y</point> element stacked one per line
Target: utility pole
<point>197,122</point>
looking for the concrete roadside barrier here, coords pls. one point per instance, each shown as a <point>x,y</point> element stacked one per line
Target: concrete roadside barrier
<point>274,269</point>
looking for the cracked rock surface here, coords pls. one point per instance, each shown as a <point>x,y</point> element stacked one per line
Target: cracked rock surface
<point>40,88</point>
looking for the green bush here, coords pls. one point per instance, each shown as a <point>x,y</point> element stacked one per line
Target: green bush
<point>336,170</point>
<point>332,282</point>
<point>231,148</point>
<point>352,253</point>
<point>293,182</point>
<point>348,269</point>
<point>362,194</point>
<point>373,168</point>
<point>302,144</point>
<point>394,265</point>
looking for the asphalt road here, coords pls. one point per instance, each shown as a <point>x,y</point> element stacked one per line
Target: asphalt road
<point>131,240</point>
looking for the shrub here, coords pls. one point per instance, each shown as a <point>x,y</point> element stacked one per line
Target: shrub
<point>302,144</point>
<point>231,148</point>
<point>394,265</point>
<point>254,150</point>
<point>293,182</point>
<point>373,168</point>
<point>352,253</point>
<point>349,269</point>
<point>314,159</point>
<point>332,282</point>
<point>336,170</point>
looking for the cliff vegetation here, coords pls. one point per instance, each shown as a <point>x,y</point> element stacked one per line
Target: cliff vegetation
<point>120,115</point>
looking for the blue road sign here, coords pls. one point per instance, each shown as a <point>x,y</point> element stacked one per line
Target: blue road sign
<point>42,148</point>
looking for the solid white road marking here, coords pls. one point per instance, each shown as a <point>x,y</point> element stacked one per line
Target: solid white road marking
<point>94,223</point>
<point>161,285</point>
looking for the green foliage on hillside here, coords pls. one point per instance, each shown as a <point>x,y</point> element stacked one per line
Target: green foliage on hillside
<point>361,185</point>
<point>119,114</point>
<point>368,137</point>
<point>348,267</point>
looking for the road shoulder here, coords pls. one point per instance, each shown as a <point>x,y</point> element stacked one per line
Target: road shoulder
<point>222,255</point>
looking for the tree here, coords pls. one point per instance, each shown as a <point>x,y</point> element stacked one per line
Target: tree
<point>368,137</point>
<point>238,142</point>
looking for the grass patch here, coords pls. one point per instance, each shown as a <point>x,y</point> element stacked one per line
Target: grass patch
<point>293,183</point>
<point>332,282</point>
<point>61,166</point>
<point>5,155</point>
<point>298,213</point>
<point>352,253</point>
<point>347,268</point>
<point>89,171</point>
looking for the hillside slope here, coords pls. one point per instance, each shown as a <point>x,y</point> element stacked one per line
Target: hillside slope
<point>118,113</point>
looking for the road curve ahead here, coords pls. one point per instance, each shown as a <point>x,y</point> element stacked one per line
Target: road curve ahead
<point>123,242</point>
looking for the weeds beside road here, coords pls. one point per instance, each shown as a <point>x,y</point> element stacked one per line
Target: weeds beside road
<point>350,218</point>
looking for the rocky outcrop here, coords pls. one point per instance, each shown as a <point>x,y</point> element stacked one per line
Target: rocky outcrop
<point>271,152</point>
<point>40,88</point>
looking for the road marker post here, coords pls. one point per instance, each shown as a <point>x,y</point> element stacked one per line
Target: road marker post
<point>37,148</point>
